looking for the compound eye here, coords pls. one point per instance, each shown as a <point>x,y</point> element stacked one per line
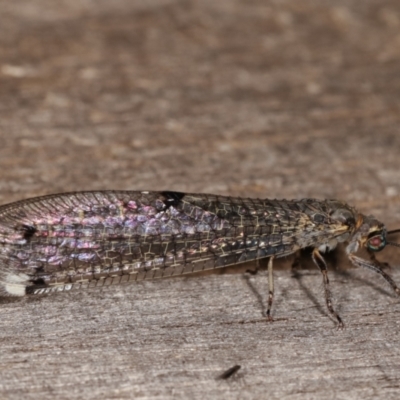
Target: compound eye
<point>376,243</point>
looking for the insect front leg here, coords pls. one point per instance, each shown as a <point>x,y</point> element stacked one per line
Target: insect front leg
<point>374,266</point>
<point>320,262</point>
<point>375,261</point>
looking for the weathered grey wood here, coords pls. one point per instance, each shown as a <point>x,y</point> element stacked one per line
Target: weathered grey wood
<point>172,338</point>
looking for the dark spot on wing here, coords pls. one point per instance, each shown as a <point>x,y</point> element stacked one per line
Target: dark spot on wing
<point>172,199</point>
<point>39,269</point>
<point>35,284</point>
<point>38,282</point>
<point>27,231</point>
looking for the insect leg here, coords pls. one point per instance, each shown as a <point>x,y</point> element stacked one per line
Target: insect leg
<point>320,262</point>
<point>296,265</point>
<point>374,266</point>
<point>376,261</point>
<point>270,287</point>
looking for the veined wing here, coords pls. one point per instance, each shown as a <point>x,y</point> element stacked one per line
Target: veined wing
<point>110,236</point>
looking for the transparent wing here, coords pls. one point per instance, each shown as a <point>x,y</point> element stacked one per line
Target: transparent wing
<point>97,238</point>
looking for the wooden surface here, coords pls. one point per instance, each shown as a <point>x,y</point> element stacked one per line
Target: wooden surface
<point>173,338</point>
<point>246,98</point>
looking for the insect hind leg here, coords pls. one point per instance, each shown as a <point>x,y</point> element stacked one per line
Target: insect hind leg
<point>320,262</point>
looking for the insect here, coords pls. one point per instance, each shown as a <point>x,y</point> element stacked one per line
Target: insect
<point>102,238</point>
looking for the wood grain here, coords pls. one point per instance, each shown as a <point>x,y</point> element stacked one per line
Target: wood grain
<point>172,338</point>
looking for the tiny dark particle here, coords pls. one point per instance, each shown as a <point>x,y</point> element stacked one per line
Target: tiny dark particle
<point>229,372</point>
